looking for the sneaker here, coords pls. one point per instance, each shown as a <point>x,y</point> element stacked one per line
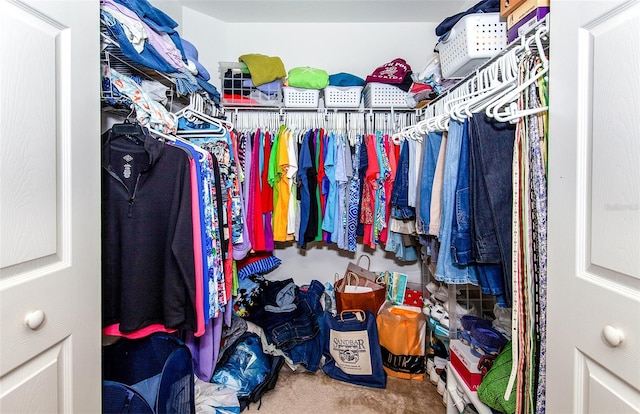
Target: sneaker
<point>437,312</point>
<point>442,383</point>
<point>439,364</point>
<point>432,287</point>
<point>462,308</point>
<point>457,400</point>
<point>442,294</point>
<point>430,365</point>
<point>434,377</point>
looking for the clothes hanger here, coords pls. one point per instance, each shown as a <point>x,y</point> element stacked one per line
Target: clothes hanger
<point>195,112</point>
<point>514,112</point>
<point>540,70</point>
<point>498,109</point>
<point>133,131</point>
<point>505,76</point>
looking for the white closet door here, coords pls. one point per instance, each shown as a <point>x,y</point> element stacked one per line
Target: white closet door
<point>593,353</point>
<point>49,207</point>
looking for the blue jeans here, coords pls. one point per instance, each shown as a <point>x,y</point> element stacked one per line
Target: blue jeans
<point>431,149</point>
<point>400,194</point>
<point>491,149</point>
<point>309,352</point>
<point>489,275</point>
<point>460,232</point>
<point>447,270</point>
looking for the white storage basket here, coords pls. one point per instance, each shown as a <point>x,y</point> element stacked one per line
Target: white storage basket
<point>342,96</point>
<point>473,40</point>
<point>382,95</point>
<point>300,97</point>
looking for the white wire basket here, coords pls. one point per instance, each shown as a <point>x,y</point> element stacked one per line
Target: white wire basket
<point>234,78</point>
<point>383,95</point>
<point>300,97</point>
<point>473,40</point>
<point>342,96</point>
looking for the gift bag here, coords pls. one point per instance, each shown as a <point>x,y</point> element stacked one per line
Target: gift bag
<point>396,286</point>
<point>352,350</point>
<point>358,289</point>
<point>402,332</point>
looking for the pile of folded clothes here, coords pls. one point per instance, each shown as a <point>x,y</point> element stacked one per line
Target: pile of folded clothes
<point>257,80</point>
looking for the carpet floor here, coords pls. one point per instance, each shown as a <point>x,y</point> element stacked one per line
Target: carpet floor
<point>317,393</point>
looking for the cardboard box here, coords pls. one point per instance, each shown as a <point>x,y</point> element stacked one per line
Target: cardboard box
<point>524,25</point>
<point>524,9</point>
<point>508,6</point>
<point>465,364</point>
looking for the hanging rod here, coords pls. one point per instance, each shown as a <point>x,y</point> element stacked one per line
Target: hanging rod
<point>283,109</point>
<point>542,22</point>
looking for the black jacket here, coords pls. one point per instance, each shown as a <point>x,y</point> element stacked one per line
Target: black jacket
<point>148,271</point>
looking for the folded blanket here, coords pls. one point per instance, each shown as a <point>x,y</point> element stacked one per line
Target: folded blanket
<point>263,69</point>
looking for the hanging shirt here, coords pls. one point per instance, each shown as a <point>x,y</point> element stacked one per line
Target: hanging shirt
<point>354,199</point>
<point>319,157</point>
<point>148,270</point>
<point>266,191</point>
<point>305,163</point>
<point>256,226</point>
<point>279,180</point>
<point>292,173</point>
<point>331,191</point>
<point>343,172</point>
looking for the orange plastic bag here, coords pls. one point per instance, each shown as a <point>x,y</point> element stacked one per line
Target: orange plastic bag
<point>402,331</point>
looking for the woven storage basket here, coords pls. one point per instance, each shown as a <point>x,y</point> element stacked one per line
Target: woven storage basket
<point>473,40</point>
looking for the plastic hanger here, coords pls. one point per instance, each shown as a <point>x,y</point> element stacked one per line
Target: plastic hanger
<point>540,70</point>
<point>514,112</point>
<point>503,110</point>
<point>505,76</point>
<point>132,131</point>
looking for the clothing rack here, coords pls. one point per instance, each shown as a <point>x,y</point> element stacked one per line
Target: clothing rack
<point>436,114</point>
<point>353,121</point>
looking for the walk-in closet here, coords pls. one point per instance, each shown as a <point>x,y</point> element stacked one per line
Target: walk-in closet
<point>319,206</point>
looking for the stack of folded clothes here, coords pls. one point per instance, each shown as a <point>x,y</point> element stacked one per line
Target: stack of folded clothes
<point>397,73</point>
<point>257,80</point>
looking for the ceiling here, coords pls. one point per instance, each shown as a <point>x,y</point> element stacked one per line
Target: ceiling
<point>339,11</point>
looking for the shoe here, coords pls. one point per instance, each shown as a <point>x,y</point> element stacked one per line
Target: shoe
<point>469,322</point>
<point>486,342</point>
<point>437,312</point>
<point>461,308</point>
<point>499,312</point>
<point>504,327</point>
<point>430,366</point>
<point>439,364</point>
<point>432,287</point>
<point>440,331</point>
<point>442,294</point>
<point>444,320</point>
<point>442,383</point>
<point>457,400</point>
<point>434,377</point>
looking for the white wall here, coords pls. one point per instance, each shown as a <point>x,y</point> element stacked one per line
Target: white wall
<point>356,48</point>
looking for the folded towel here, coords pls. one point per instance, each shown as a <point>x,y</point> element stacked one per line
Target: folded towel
<point>263,69</point>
